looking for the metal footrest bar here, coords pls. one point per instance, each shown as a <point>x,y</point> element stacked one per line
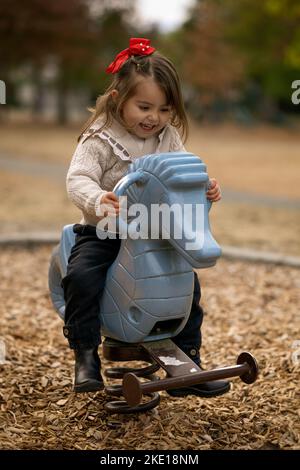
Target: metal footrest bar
<point>133,389</point>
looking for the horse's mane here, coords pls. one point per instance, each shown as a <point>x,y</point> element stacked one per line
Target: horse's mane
<point>168,167</point>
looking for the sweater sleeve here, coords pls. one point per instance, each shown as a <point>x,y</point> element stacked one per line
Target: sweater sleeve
<point>85,173</point>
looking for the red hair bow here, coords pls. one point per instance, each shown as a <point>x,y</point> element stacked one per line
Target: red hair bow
<point>137,46</point>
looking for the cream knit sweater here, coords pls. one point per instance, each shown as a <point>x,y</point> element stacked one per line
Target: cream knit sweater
<point>101,160</point>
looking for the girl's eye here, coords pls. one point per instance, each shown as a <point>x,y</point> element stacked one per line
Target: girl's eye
<point>146,108</point>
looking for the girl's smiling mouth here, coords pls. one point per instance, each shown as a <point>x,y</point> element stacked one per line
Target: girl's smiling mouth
<point>147,127</point>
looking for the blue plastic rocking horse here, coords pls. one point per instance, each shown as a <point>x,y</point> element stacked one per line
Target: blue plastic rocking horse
<point>149,288</point>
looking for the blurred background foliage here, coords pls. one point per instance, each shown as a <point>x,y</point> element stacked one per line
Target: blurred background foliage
<point>237,59</point>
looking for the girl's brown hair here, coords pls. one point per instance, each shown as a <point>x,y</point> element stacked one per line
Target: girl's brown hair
<point>161,70</point>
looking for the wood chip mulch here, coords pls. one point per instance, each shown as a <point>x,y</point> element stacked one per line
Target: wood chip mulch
<point>252,307</point>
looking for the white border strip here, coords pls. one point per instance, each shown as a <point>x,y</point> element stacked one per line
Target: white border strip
<point>257,256</point>
<point>228,252</point>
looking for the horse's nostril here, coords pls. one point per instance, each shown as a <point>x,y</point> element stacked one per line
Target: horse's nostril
<point>135,314</point>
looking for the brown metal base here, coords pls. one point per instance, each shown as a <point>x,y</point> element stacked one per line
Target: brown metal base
<point>114,350</point>
<point>180,370</point>
<point>133,389</point>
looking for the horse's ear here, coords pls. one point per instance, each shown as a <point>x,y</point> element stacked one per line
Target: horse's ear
<point>139,177</point>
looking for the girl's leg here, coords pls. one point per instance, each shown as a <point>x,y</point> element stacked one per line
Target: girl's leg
<point>88,264</point>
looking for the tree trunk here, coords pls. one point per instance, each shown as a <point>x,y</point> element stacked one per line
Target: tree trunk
<point>62,108</point>
<point>39,92</point>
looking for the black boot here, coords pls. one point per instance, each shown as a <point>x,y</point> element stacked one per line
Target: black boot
<point>87,371</point>
<point>205,389</point>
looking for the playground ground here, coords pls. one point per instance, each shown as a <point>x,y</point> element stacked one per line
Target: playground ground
<point>255,307</point>
<point>248,306</point>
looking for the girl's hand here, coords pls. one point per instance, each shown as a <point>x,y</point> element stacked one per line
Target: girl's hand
<point>214,192</point>
<point>109,205</point>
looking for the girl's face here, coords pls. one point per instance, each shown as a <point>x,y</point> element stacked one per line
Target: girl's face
<point>146,113</point>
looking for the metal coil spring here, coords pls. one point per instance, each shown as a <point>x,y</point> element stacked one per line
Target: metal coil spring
<point>121,406</point>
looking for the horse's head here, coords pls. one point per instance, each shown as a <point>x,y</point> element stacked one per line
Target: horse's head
<point>169,193</point>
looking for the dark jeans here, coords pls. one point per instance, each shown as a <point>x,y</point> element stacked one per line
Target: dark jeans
<point>89,261</point>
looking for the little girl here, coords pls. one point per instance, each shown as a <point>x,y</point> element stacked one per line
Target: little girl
<point>140,113</point>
